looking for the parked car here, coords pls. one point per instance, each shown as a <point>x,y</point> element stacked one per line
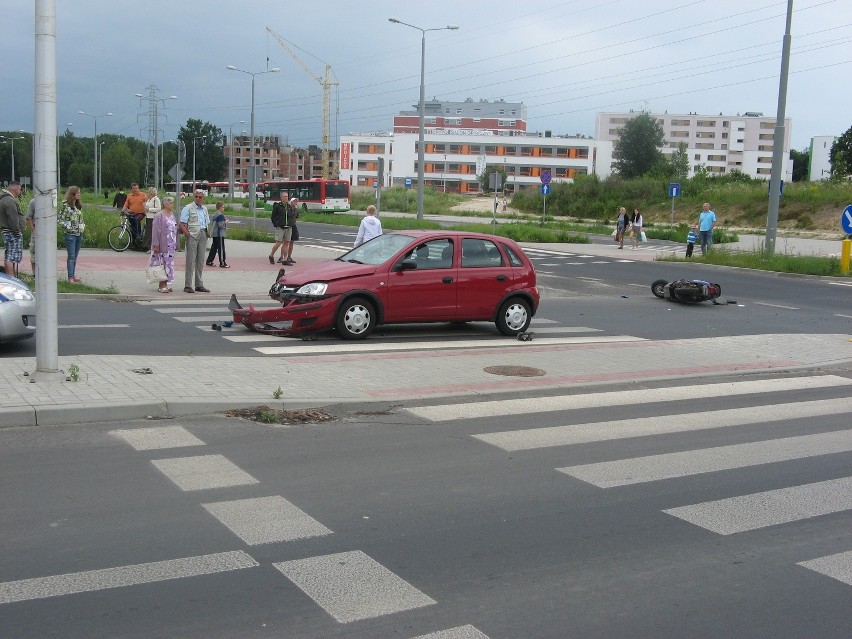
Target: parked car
<point>404,277</point>
<point>17,309</point>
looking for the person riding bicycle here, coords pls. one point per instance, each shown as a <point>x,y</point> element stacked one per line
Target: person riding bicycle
<point>135,209</point>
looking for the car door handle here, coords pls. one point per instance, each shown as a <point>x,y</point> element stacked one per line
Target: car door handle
<point>447,280</point>
<point>501,278</point>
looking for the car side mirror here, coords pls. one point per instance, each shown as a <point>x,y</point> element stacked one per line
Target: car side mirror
<point>406,265</point>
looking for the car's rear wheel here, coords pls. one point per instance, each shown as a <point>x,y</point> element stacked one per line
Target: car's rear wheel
<point>514,317</point>
<point>657,287</point>
<point>356,319</point>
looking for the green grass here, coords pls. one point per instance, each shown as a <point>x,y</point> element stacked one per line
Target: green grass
<point>64,286</point>
<point>781,263</point>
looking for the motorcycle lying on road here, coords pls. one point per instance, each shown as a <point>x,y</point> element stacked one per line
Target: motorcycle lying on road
<point>687,291</point>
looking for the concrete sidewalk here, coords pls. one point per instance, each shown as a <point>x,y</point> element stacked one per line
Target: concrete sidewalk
<point>117,387</point>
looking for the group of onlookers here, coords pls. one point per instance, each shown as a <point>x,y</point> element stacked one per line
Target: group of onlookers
<point>625,223</point>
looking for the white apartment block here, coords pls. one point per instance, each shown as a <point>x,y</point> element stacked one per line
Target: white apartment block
<point>719,143</point>
<point>820,157</point>
<point>452,161</point>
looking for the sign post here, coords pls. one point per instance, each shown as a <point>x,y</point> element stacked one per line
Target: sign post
<point>674,191</point>
<point>546,177</point>
<point>407,187</point>
<point>846,245</point>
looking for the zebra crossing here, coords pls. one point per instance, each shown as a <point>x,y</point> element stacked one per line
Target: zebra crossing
<point>774,403</point>
<point>482,335</point>
<point>544,258</point>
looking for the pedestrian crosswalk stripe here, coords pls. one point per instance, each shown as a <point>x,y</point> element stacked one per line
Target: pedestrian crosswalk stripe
<point>266,520</point>
<point>837,566</point>
<point>92,580</point>
<point>200,301</point>
<point>373,346</point>
<point>462,632</point>
<point>694,462</point>
<point>219,308</point>
<point>528,439</point>
<point>526,406</point>
<point>769,508</point>
<point>158,437</point>
<point>351,586</point>
<point>203,472</point>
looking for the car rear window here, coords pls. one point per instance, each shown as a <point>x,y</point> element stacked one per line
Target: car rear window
<point>514,258</point>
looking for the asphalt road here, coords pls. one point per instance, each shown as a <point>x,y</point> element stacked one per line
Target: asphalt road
<point>401,524</point>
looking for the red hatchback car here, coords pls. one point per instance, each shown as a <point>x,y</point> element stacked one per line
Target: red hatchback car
<point>404,277</point>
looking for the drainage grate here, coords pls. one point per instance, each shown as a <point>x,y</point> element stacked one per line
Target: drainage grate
<point>515,371</point>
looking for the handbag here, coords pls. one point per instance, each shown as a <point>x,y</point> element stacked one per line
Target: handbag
<point>155,273</point>
<point>643,237</point>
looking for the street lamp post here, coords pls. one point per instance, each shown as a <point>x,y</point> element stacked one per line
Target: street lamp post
<point>101,164</point>
<point>12,140</point>
<point>422,110</point>
<point>252,167</point>
<point>95,118</point>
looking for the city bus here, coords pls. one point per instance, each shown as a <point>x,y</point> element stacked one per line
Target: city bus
<point>323,196</point>
<point>186,186</point>
<point>221,189</point>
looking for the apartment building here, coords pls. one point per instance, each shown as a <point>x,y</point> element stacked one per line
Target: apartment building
<point>277,160</point>
<point>820,157</point>
<point>498,117</point>
<point>719,143</point>
<point>454,160</point>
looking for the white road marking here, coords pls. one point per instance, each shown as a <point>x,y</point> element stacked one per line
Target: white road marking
<point>840,284</point>
<point>473,410</point>
<point>94,326</point>
<point>196,309</point>
<point>224,316</point>
<point>316,348</point>
<point>844,316</point>
<point>531,438</point>
<point>837,566</point>
<point>266,520</point>
<point>198,301</point>
<point>121,576</point>
<point>158,437</point>
<point>789,308</point>
<point>668,466</point>
<point>203,472</point>
<point>351,586</point>
<point>461,632</point>
<point>769,508</point>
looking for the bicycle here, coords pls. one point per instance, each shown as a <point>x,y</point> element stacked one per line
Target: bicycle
<point>119,236</point>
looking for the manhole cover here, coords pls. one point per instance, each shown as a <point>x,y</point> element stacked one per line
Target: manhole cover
<point>515,371</point>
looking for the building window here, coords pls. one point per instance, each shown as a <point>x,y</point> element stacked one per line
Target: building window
<point>706,123</point>
<point>762,171</point>
<point>501,112</point>
<point>618,120</point>
<point>706,134</point>
<point>767,125</point>
<point>764,147</point>
<point>697,156</point>
<point>681,122</point>
<point>764,160</point>
<point>704,145</point>
<point>431,120</point>
<point>715,158</point>
<point>679,134</point>
<point>725,123</point>
<point>614,131</point>
<point>766,136</point>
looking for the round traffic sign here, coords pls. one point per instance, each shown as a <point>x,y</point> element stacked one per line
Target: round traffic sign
<point>846,220</point>
<point>546,176</point>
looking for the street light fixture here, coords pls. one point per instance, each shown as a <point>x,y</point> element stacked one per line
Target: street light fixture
<point>252,167</point>
<point>12,140</point>
<point>422,110</point>
<point>95,118</point>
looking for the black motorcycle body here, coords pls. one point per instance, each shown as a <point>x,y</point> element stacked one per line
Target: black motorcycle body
<point>686,291</point>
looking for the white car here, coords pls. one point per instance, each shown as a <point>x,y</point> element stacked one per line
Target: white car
<point>17,309</point>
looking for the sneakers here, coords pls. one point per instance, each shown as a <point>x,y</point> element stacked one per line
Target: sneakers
<point>209,263</point>
<point>272,259</point>
<point>288,262</point>
<point>223,265</point>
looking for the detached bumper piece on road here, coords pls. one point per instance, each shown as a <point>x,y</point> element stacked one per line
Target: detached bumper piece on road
<point>294,319</point>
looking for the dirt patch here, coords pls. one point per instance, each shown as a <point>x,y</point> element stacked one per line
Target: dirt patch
<point>267,415</point>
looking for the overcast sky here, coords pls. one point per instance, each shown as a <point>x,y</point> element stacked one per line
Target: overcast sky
<point>565,60</point>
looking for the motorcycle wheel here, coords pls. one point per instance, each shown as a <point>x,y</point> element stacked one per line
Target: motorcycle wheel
<point>657,288</point>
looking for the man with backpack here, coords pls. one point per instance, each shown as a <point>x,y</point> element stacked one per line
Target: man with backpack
<point>281,221</point>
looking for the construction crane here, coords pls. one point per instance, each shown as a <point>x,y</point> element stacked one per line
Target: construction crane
<point>326,83</point>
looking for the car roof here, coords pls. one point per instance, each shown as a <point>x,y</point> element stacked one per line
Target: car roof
<point>448,233</point>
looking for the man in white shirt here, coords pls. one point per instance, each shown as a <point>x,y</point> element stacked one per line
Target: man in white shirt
<point>194,220</point>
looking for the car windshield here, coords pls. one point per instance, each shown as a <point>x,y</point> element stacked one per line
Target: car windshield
<point>378,250</point>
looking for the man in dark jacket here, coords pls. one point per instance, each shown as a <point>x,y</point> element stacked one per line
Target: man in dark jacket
<point>283,232</point>
<point>12,223</point>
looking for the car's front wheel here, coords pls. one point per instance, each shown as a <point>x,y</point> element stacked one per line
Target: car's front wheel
<point>356,319</point>
<point>514,317</point>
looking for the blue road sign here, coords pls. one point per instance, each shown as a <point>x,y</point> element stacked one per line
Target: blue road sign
<point>545,189</point>
<point>408,182</point>
<point>546,176</point>
<point>846,220</point>
<point>674,189</point>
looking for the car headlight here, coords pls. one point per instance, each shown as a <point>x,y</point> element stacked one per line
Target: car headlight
<point>10,291</point>
<point>314,288</point>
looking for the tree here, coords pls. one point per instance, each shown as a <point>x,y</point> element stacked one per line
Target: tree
<point>120,166</point>
<point>679,162</point>
<point>801,164</point>
<point>484,177</point>
<point>210,161</point>
<point>840,155</point>
<point>636,151</point>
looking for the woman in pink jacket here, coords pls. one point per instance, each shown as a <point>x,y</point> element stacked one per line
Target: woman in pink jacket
<point>164,242</point>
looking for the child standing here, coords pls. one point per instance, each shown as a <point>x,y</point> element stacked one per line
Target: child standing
<point>690,239</point>
<point>219,226</point>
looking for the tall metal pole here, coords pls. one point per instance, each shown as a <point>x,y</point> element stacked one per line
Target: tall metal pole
<point>101,163</point>
<point>778,141</point>
<point>252,176</point>
<point>44,181</point>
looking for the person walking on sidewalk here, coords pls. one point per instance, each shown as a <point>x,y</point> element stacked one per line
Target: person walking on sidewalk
<point>636,224</point>
<point>622,224</point>
<point>706,222</point>
<point>220,229</point>
<point>369,228</point>
<point>164,242</point>
<point>194,219</point>
<point>71,221</point>
<point>281,224</point>
<point>12,227</point>
<point>292,216</point>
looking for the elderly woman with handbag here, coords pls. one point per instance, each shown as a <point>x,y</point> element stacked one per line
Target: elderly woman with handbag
<point>163,246</point>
